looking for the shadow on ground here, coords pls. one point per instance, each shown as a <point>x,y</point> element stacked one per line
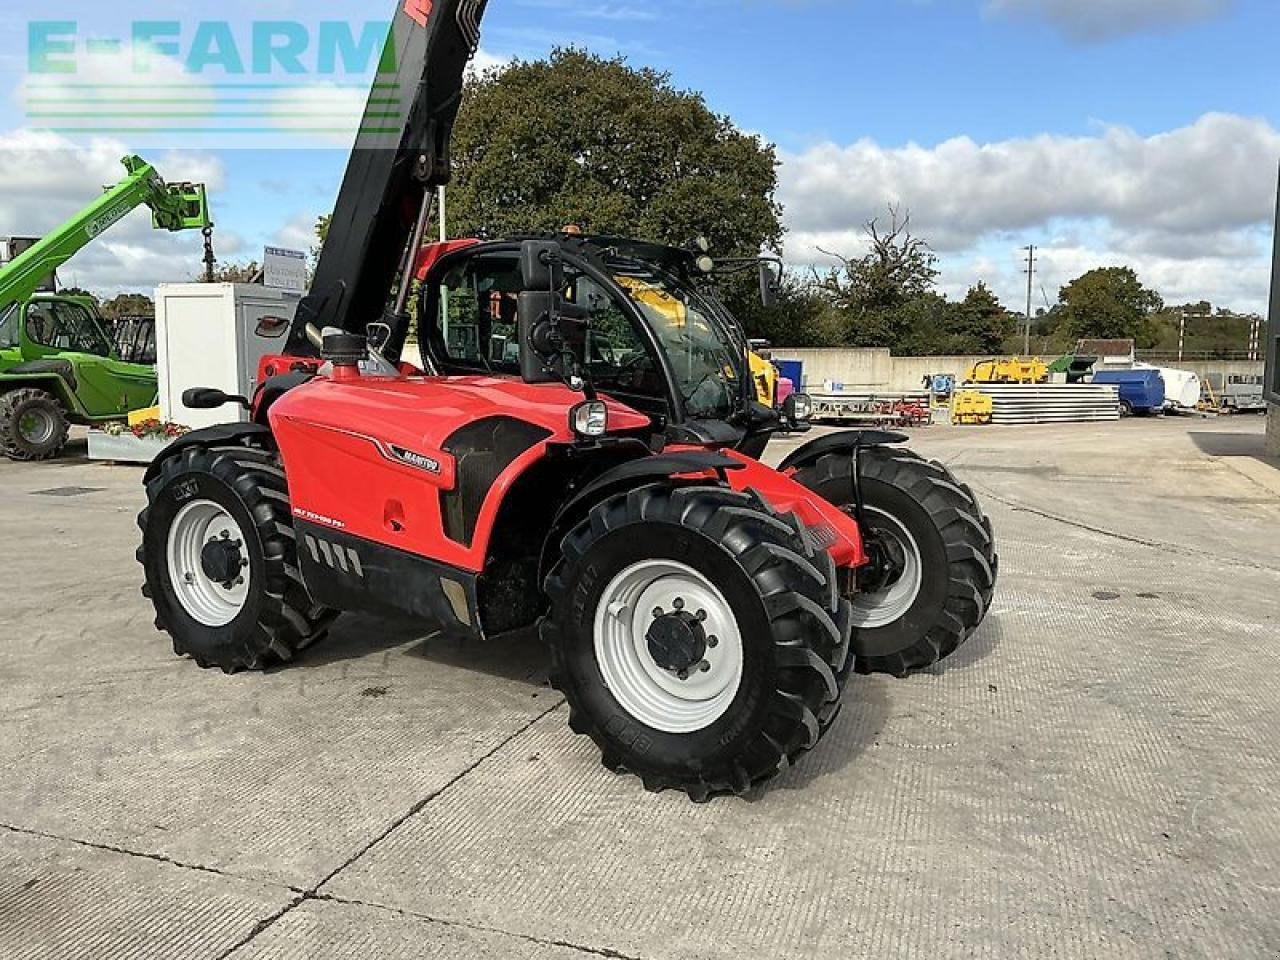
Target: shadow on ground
<point>517,656</point>
<point>1252,445</point>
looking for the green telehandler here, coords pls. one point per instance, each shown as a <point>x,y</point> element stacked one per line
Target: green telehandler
<point>57,364</point>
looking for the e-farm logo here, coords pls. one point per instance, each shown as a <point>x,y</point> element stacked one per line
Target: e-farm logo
<point>217,80</point>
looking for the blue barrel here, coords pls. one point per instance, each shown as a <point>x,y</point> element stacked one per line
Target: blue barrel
<point>793,370</point>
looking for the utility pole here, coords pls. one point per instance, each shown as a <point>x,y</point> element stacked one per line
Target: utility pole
<point>1031,275</point>
<point>1255,325</point>
<point>1182,332</point>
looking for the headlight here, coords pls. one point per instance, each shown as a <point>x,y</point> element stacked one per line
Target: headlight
<point>590,419</point>
<point>800,406</point>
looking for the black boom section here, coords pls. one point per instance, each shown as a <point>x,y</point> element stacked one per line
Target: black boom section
<point>482,450</point>
<point>401,153</point>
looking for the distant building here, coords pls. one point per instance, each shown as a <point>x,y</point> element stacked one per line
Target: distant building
<point>1108,353</point>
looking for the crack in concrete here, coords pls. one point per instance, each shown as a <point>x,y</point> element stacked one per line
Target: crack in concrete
<point>481,928</point>
<point>313,892</point>
<point>143,855</point>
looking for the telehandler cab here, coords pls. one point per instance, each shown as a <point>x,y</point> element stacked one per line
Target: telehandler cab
<point>570,457</point>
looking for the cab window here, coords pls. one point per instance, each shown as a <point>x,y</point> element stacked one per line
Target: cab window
<point>65,326</point>
<point>476,321</point>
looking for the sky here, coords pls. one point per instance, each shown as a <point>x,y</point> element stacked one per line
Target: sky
<point>1139,132</point>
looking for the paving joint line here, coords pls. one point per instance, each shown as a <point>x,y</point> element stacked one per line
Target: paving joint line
<point>143,855</point>
<point>313,892</point>
<point>480,927</point>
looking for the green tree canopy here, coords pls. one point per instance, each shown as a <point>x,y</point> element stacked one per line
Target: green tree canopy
<point>128,305</point>
<point>1109,303</point>
<point>579,139</point>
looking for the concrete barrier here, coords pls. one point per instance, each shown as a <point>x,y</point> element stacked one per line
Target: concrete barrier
<point>877,369</point>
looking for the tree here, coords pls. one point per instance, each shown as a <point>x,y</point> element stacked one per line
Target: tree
<point>128,305</point>
<point>579,139</point>
<point>1109,303</point>
<point>979,323</point>
<point>872,290</point>
<point>801,316</point>
<point>249,272</point>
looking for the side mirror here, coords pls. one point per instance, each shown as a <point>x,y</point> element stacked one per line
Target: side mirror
<point>540,340</point>
<point>541,268</point>
<point>769,283</point>
<point>548,328</point>
<point>210,398</point>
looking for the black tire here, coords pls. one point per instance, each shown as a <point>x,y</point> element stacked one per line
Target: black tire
<point>21,413</point>
<point>1126,408</point>
<point>956,549</point>
<point>786,608</point>
<point>278,618</point>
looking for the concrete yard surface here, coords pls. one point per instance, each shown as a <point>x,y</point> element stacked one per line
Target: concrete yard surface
<point>1095,774</point>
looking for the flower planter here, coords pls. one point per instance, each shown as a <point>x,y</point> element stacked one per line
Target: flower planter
<point>125,447</point>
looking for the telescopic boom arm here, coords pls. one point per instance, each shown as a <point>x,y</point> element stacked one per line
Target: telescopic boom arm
<point>400,156</point>
<point>174,207</point>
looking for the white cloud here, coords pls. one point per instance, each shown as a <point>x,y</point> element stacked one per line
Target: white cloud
<point>1190,207</point>
<point>48,178</point>
<point>298,233</point>
<point>1095,20</point>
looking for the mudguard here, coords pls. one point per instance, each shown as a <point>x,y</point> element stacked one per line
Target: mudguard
<point>634,473</point>
<point>845,440</point>
<point>220,435</point>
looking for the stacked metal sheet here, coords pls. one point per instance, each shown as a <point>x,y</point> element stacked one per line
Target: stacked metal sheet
<point>1051,402</point>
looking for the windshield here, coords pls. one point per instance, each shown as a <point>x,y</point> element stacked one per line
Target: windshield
<point>692,335</point>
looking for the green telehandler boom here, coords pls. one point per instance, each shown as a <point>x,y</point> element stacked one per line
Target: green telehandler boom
<point>57,364</point>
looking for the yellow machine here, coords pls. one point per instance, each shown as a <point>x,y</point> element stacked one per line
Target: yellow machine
<point>970,406</point>
<point>1009,370</point>
<point>764,374</point>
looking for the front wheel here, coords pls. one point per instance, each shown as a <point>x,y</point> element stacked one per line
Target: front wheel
<point>220,558</point>
<point>696,637</point>
<point>942,550</point>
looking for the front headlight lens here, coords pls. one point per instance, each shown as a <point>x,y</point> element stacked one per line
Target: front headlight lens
<point>590,419</point>
<point>803,406</point>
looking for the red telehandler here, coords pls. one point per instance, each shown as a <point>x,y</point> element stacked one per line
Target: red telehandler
<point>581,452</point>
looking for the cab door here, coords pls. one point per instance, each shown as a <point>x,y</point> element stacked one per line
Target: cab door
<point>105,386</point>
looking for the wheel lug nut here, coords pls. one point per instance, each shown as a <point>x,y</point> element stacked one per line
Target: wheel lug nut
<point>678,603</point>
<point>226,535</point>
<point>701,615</point>
<point>239,582</point>
<point>682,675</point>
<point>243,563</point>
<point>658,612</point>
<point>188,578</point>
<point>704,667</point>
<point>713,642</point>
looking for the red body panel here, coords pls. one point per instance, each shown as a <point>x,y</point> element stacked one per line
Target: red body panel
<point>432,252</point>
<point>337,437</point>
<point>834,529</point>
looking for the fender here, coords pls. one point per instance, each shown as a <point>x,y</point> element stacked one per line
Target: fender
<point>634,473</point>
<point>844,441</point>
<point>221,435</point>
<point>13,379</point>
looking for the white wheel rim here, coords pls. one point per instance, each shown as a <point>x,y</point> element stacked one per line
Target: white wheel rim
<point>655,696</point>
<point>207,601</point>
<point>36,426</point>
<point>871,610</point>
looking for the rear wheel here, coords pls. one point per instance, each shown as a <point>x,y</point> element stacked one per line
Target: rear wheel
<point>220,559</point>
<point>33,425</point>
<point>941,544</point>
<point>693,640</point>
